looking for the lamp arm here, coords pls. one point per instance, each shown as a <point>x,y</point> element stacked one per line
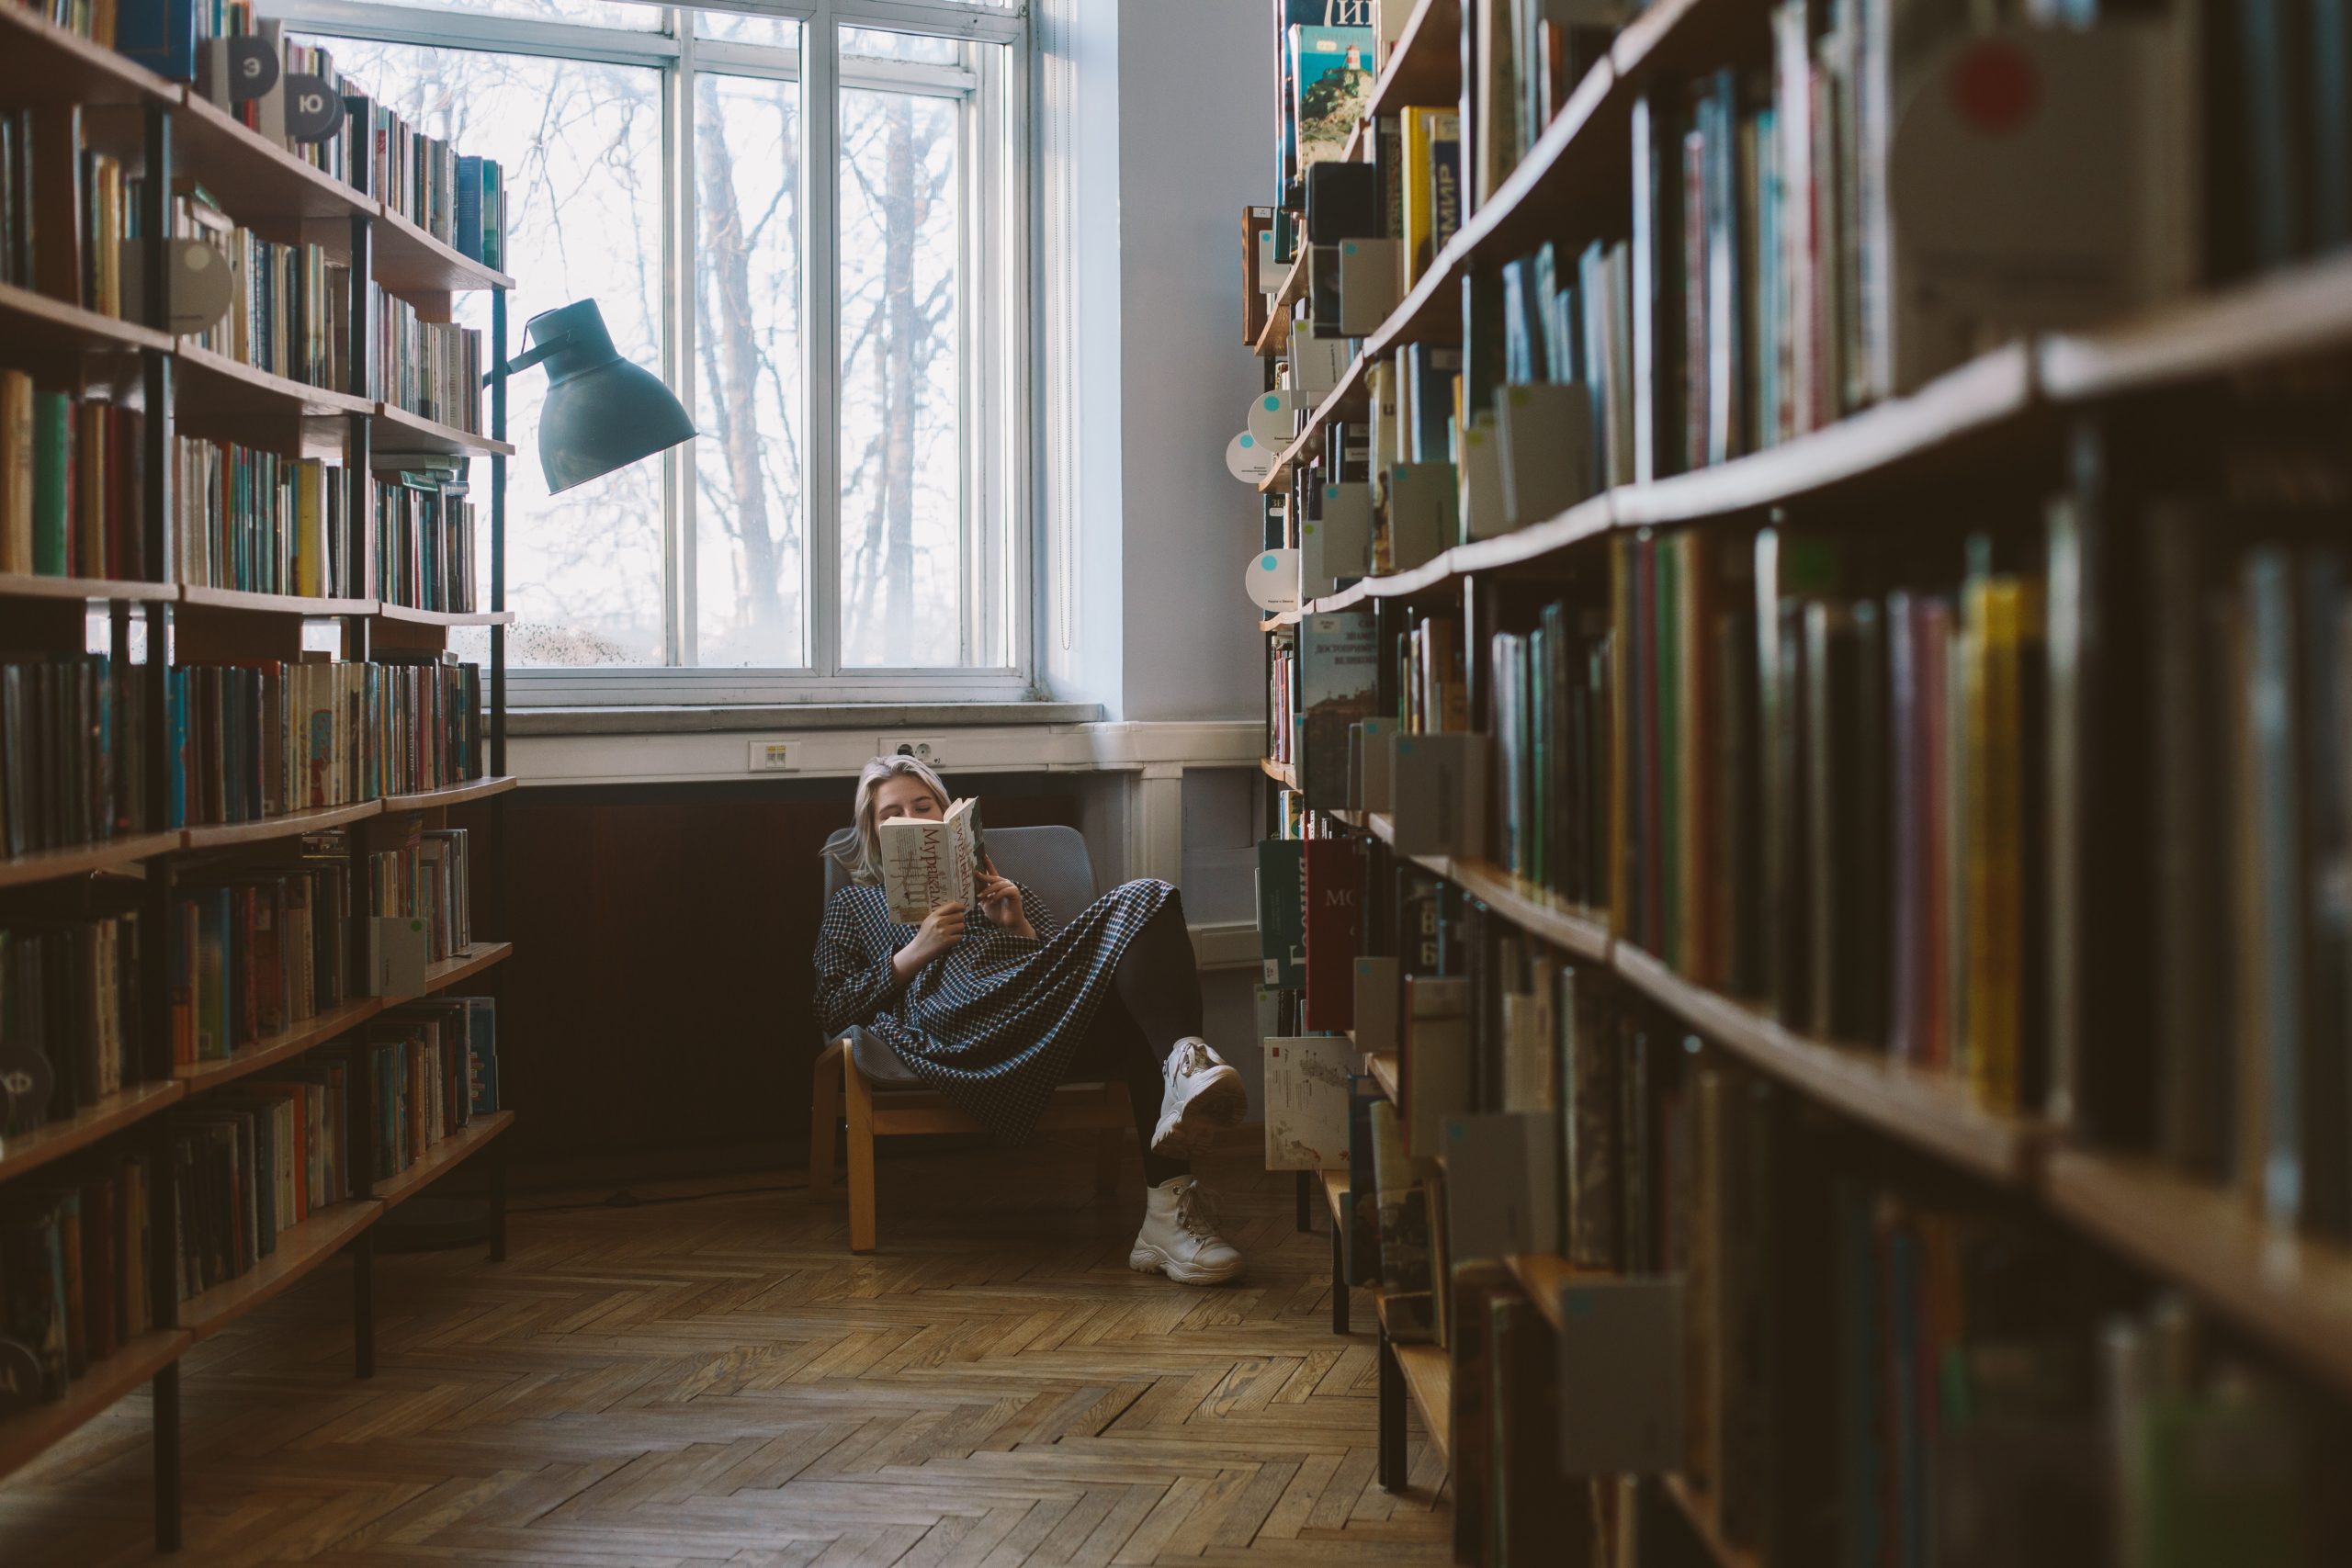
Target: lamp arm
<point>529,358</point>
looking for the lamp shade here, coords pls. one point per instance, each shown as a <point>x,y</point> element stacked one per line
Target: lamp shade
<point>601,413</point>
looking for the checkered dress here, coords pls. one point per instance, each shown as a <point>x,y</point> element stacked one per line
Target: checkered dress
<point>995,1022</point>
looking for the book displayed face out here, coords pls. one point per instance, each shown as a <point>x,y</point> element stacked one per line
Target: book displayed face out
<point>928,862</point>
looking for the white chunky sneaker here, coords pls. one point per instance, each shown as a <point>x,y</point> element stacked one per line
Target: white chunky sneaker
<point>1179,1237</point>
<point>1202,1092</point>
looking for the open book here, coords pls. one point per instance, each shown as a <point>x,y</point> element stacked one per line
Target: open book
<point>926,863</point>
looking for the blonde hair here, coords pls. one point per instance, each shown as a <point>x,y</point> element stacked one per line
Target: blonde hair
<point>859,846</point>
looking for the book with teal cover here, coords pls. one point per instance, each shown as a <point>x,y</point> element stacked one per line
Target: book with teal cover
<point>1281,911</point>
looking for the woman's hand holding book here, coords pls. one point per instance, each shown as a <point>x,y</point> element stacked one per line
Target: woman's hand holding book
<point>941,929</point>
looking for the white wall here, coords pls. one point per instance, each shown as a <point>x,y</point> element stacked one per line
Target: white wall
<point>1161,377</point>
<point>1078,351</point>
<point>1196,92</point>
<point>1155,119</point>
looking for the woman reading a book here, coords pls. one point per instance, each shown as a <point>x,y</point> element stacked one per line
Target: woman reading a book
<point>998,1005</point>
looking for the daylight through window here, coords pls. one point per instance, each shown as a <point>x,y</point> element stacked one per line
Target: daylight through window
<point>849,517</point>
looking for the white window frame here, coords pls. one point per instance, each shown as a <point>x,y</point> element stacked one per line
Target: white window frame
<point>996,286</point>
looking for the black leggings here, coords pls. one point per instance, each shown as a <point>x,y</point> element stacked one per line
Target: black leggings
<point>1154,1002</point>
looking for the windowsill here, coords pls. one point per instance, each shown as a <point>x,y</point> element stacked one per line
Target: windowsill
<point>688,719</point>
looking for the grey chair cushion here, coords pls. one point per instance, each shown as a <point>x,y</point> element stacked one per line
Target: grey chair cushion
<point>1051,862</point>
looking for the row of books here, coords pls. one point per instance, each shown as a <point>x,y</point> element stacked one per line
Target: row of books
<point>289,311</point>
<point>75,1285</point>
<point>426,878</point>
<point>243,1166</point>
<point>256,741</point>
<point>2213,907</point>
<point>426,548</point>
<point>248,518</point>
<point>1954,1399</point>
<point>71,1012</point>
<point>431,368</point>
<point>71,482</point>
<point>1551,689</point>
<point>72,750</point>
<point>78,200</point>
<point>256,1159</point>
<point>458,201</point>
<point>1761,293</point>
<point>259,951</point>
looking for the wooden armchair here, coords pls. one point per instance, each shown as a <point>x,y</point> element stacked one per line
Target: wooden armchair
<point>861,1083</point>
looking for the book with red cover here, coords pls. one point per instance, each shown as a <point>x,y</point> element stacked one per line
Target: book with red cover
<point>1334,880</point>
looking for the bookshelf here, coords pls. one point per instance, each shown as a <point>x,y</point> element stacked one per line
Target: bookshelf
<point>148,628</point>
<point>2079,453</point>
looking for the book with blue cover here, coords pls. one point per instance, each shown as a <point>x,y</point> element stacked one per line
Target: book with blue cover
<point>481,1055</point>
<point>158,34</point>
<point>469,207</point>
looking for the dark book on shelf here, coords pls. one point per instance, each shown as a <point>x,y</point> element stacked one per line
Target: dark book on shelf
<point>1333,876</point>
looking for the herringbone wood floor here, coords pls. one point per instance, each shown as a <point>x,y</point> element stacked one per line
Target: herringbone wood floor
<point>719,1380</point>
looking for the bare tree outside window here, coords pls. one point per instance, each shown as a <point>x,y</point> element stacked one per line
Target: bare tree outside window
<point>751,497</point>
<point>913,562</point>
<point>579,145</point>
<point>901,462</point>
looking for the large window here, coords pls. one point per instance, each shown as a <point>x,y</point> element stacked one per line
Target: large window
<point>807,218</point>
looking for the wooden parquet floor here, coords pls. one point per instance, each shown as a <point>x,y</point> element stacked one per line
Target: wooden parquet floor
<point>717,1380</point>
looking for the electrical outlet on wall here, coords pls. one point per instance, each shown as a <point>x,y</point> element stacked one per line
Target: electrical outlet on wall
<point>772,756</point>
<point>924,750</point>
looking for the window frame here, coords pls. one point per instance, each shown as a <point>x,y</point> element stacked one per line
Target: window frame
<point>995,283</point>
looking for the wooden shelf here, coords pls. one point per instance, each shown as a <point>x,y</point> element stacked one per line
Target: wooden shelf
<point>77,860</point>
<point>221,835</point>
<point>299,1250</point>
<point>1535,910</point>
<point>316,1030</point>
<point>1347,396</point>
<point>466,965</point>
<point>1335,1193</point>
<point>21,1152</point>
<point>442,1158</point>
<point>1699,1512</point>
<point>33,585</point>
<point>389,611</point>
<point>1429,1378</point>
<point>1951,418</point>
<point>1987,400</point>
<point>257,602</point>
<point>1283,773</point>
<point>1425,66</point>
<point>1542,1275</point>
<point>1383,1066</point>
<point>1274,337</point>
<point>40,322</point>
<point>410,261</point>
<point>43,63</point>
<point>224,385</point>
<point>254,179</point>
<point>1930,1111</point>
<point>400,431</point>
<point>453,794</point>
<point>29,1433</point>
<point>2289,1289</point>
<point>2285,316</point>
